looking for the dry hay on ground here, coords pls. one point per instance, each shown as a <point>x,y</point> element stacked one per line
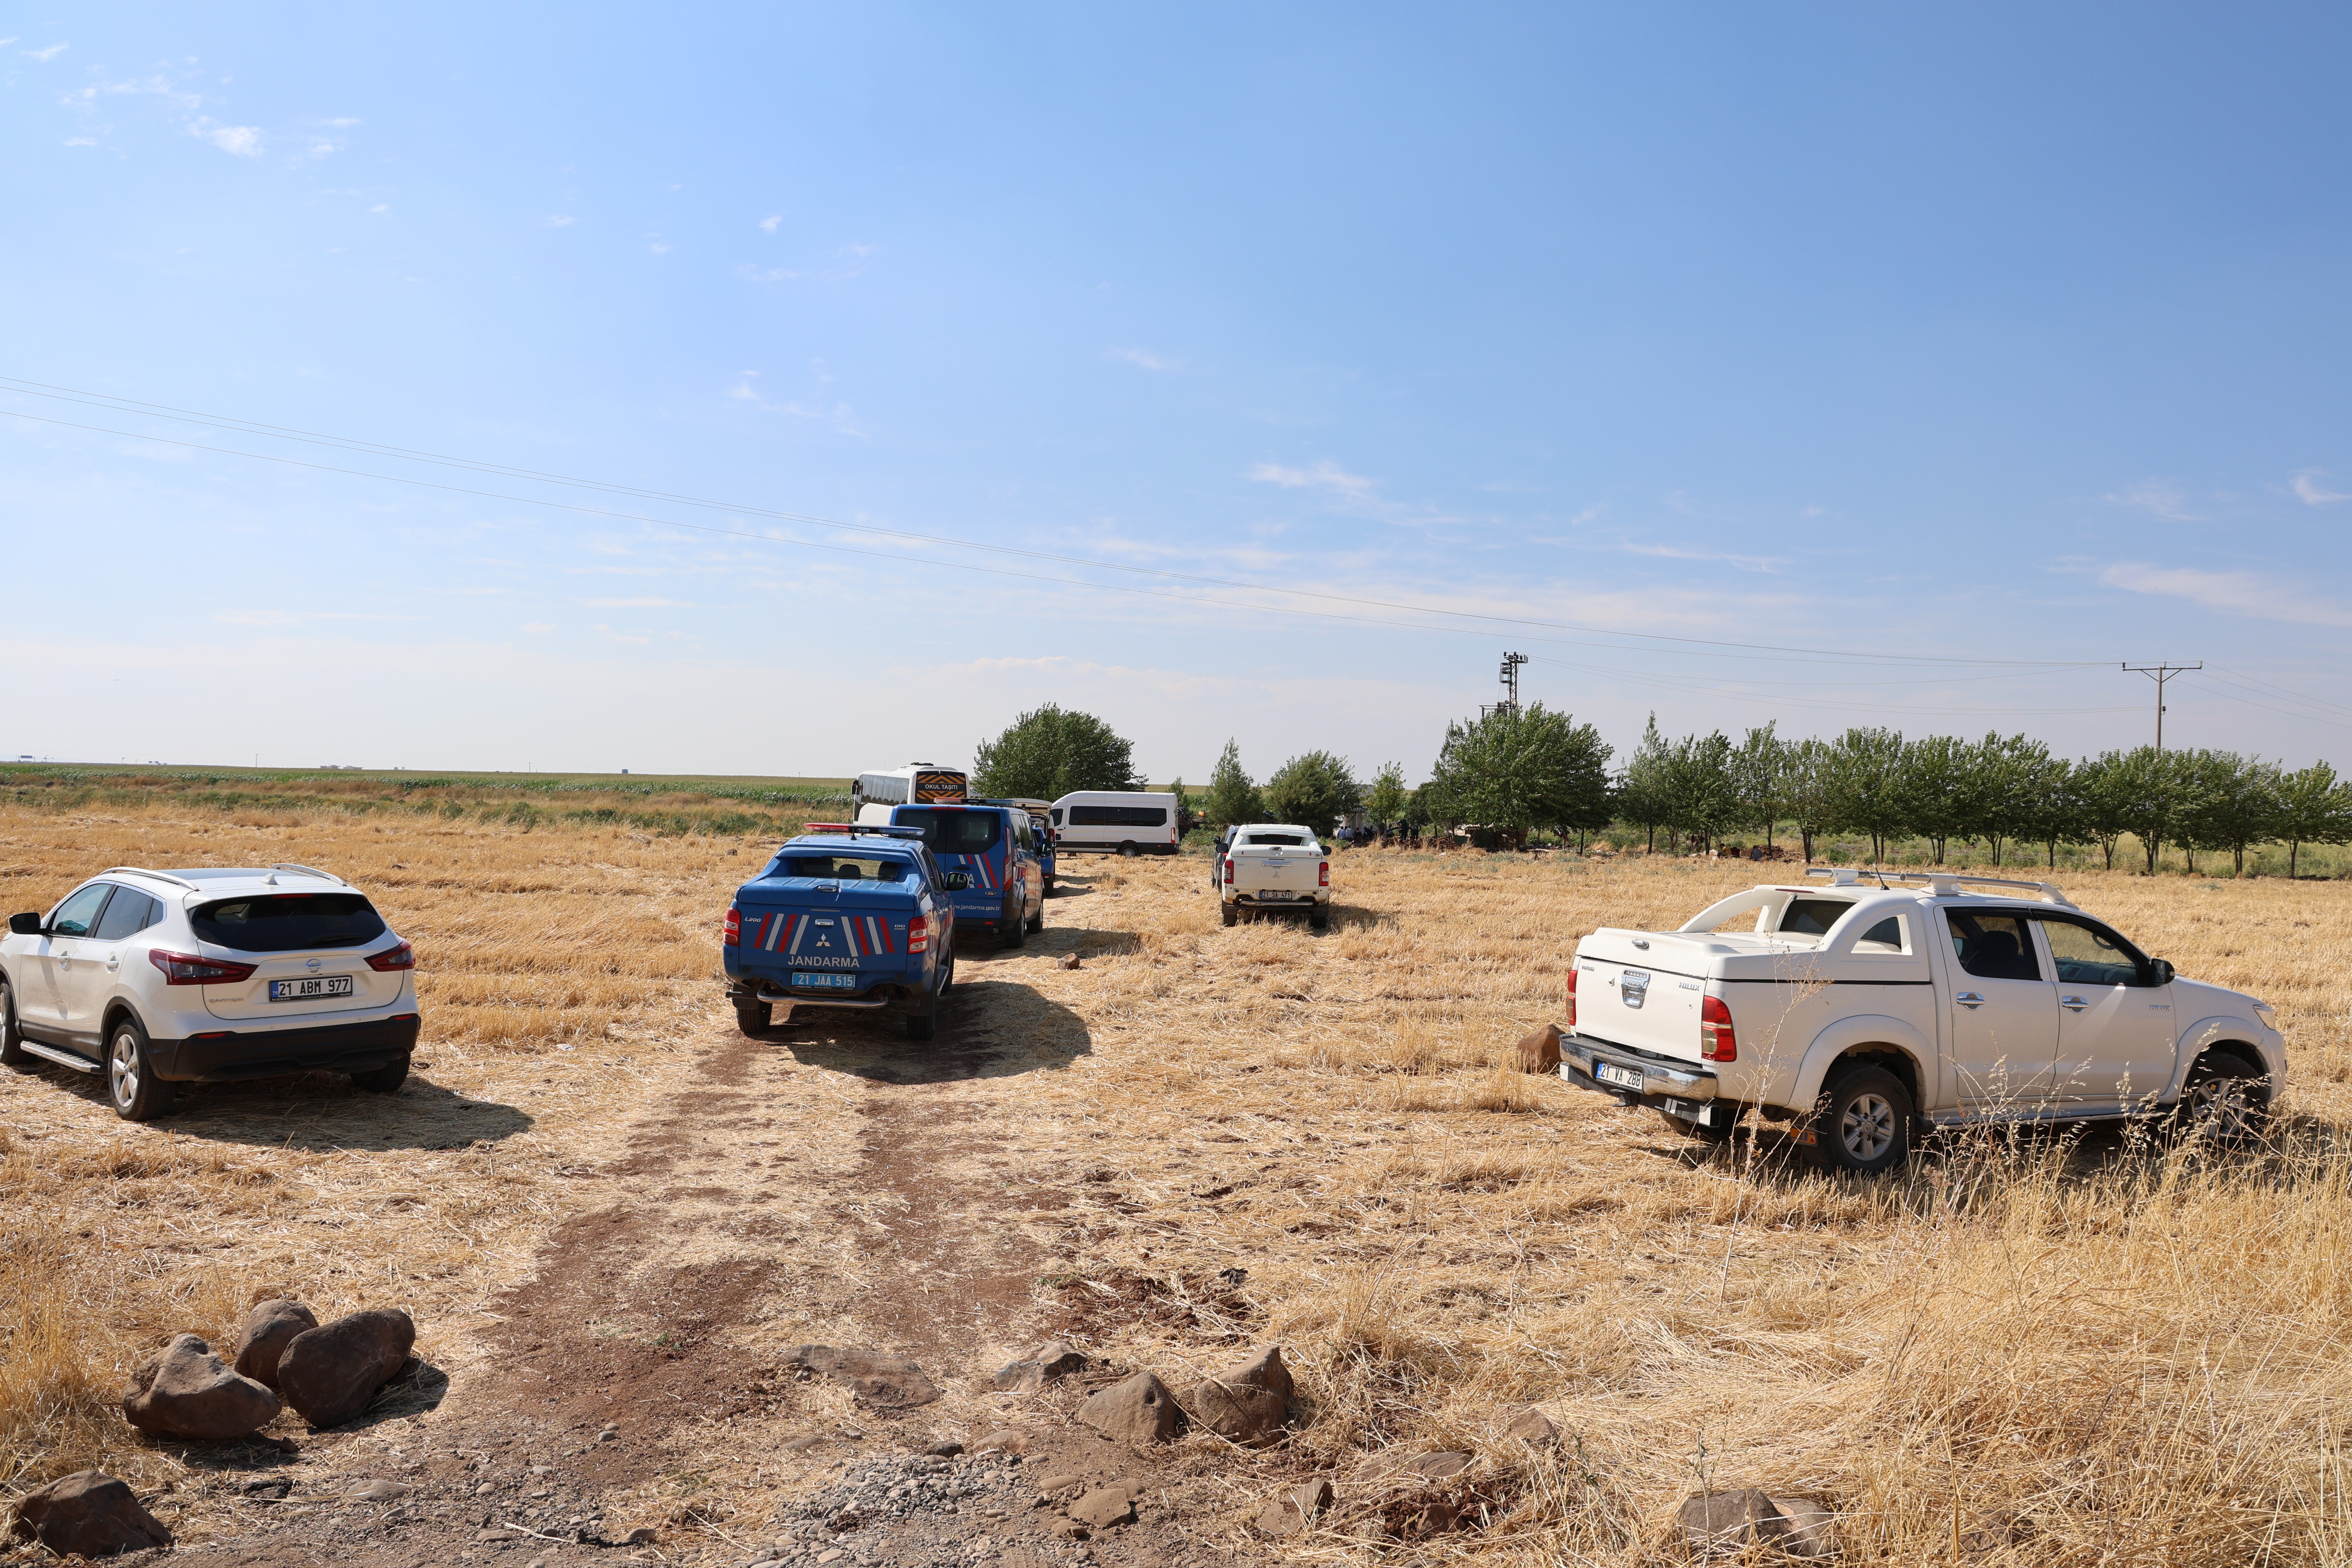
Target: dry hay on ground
<point>2099,1353</point>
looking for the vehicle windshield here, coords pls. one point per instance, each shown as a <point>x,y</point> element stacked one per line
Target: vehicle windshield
<point>845,868</point>
<point>954,832</point>
<point>288,923</point>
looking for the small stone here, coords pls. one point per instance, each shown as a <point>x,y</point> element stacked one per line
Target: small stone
<point>1539,1052</point>
<point>1532,1426</point>
<point>268,1328</point>
<point>1104,1508</point>
<point>381,1491</point>
<point>1068,961</point>
<point>1729,1521</point>
<point>186,1391</point>
<point>1045,1364</point>
<point>1295,1509</point>
<point>641,1536</point>
<point>878,1378</point>
<point>1811,1532</point>
<point>88,1512</point>
<point>944,1450</point>
<point>1138,1409</point>
<point>330,1372</point>
<point>1002,1441</point>
<point>830,1554</point>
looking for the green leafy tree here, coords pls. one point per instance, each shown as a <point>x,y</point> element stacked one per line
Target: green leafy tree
<point>1645,790</point>
<point>1233,799</point>
<point>1046,754</point>
<point>1703,795</point>
<point>1384,802</point>
<point>2103,794</point>
<point>1866,786</point>
<point>2314,807</point>
<point>1805,792</point>
<point>2139,793</point>
<point>1756,770</point>
<point>2029,794</point>
<point>1314,790</point>
<point>1944,784</point>
<point>2228,802</point>
<point>1513,771</point>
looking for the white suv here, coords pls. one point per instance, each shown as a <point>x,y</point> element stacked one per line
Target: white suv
<point>160,978</point>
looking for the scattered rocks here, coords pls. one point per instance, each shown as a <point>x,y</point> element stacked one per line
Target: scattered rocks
<point>1244,1403</point>
<point>186,1391</point>
<point>330,1373</point>
<point>880,1379</point>
<point>1047,1363</point>
<point>1295,1509</point>
<point>1068,961</point>
<point>1104,1508</point>
<point>1138,1409</point>
<point>1539,1052</point>
<point>1533,1427</point>
<point>92,1514</point>
<point>1725,1522</point>
<point>268,1328</point>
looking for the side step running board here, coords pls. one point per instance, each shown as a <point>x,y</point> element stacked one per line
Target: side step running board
<point>64,1059</point>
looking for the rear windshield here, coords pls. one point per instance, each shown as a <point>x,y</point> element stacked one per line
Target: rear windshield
<point>1812,917</point>
<point>952,832</point>
<point>287,922</point>
<point>845,868</point>
<point>1284,840</point>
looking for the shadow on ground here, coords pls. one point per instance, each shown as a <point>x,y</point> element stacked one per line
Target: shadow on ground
<point>988,1028</point>
<point>314,1112</point>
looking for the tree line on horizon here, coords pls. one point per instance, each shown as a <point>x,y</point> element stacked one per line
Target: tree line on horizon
<point>1517,771</point>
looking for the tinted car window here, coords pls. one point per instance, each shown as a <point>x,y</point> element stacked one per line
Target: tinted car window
<point>1994,947</point>
<point>2091,955</point>
<point>288,922</point>
<point>79,913</point>
<point>1288,840</point>
<point>1887,936</point>
<point>1119,816</point>
<point>128,912</point>
<point>1812,917</point>
<point>954,832</point>
<point>846,868</point>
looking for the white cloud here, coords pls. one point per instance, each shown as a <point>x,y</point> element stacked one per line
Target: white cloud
<point>1687,552</point>
<point>45,56</point>
<point>837,414</point>
<point>2162,497</point>
<point>81,141</point>
<point>2260,596</point>
<point>379,206</point>
<point>1140,357</point>
<point>6,42</point>
<point>560,220</point>
<point>1325,476</point>
<point>245,141</point>
<point>2307,487</point>
<point>537,626</point>
<point>297,617</point>
<point>343,123</point>
<point>768,225</point>
<point>608,632</point>
<point>636,604</point>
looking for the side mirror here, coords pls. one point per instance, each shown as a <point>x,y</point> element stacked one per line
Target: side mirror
<point>956,882</point>
<point>25,925</point>
<point>2161,970</point>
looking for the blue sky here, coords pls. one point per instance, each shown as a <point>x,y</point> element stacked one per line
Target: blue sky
<point>2011,335</point>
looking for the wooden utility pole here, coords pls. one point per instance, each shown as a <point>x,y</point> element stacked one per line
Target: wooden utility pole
<point>2160,673</point>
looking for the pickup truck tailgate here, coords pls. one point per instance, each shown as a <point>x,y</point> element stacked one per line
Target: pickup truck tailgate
<point>1647,997</point>
<point>1257,871</point>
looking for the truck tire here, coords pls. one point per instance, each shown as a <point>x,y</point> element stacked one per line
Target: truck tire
<point>751,1016</point>
<point>1127,851</point>
<point>2221,1101</point>
<point>1013,927</point>
<point>1037,916</point>
<point>1319,919</point>
<point>1862,1120</point>
<point>131,1086</point>
<point>13,1053</point>
<point>1699,1130</point>
<point>1232,912</point>
<point>923,1020</point>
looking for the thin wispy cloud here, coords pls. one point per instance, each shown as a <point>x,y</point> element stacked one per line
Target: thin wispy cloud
<point>836,414</point>
<point>1351,493</point>
<point>537,626</point>
<point>44,56</point>
<point>297,617</point>
<point>2164,497</point>
<point>2309,490</point>
<point>605,631</point>
<point>768,225</point>
<point>560,220</point>
<point>1690,552</point>
<point>1140,358</point>
<point>636,604</point>
<point>2248,593</point>
<point>245,141</point>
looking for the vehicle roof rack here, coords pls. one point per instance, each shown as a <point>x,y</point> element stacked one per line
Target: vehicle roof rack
<point>142,871</point>
<point>854,828</point>
<point>1943,884</point>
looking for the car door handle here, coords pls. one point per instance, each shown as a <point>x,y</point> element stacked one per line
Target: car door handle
<point>1968,999</point>
<point>2072,1003</point>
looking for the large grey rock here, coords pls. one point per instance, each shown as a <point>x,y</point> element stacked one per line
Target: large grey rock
<point>329,1372</point>
<point>1047,1364</point>
<point>1244,1403</point>
<point>186,1391</point>
<point>886,1380</point>
<point>1138,1409</point>
<point>268,1328</point>
<point>92,1514</point>
<point>1722,1523</point>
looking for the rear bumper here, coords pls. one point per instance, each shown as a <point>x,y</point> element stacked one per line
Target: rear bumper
<point>1285,900</point>
<point>229,1055</point>
<point>1668,1084</point>
<point>879,992</point>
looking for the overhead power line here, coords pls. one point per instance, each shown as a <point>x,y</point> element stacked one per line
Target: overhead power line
<point>250,428</point>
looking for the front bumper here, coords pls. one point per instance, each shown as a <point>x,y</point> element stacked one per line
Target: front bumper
<point>1669,1084</point>
<point>225,1056</point>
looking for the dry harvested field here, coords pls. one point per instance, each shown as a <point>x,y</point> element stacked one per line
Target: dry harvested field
<point>607,1208</point>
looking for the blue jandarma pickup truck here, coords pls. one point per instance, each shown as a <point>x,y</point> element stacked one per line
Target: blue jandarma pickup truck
<point>845,917</point>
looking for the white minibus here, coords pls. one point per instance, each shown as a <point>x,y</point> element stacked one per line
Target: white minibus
<point>916,784</point>
<point>1115,822</point>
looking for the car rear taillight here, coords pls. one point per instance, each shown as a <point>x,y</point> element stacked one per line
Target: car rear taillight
<point>1571,999</point>
<point>1229,867</point>
<point>1323,874</point>
<point>919,934</point>
<point>391,958</point>
<point>1716,1041</point>
<point>187,969</point>
<point>734,937</point>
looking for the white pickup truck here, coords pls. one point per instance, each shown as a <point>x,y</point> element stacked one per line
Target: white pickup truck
<point>1274,866</point>
<point>1866,1005</point>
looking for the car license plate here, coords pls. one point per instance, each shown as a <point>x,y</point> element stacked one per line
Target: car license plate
<point>1621,1078</point>
<point>1284,898</point>
<point>825,983</point>
<point>306,990</point>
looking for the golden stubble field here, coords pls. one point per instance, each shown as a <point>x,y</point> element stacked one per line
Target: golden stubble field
<point>2033,1352</point>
